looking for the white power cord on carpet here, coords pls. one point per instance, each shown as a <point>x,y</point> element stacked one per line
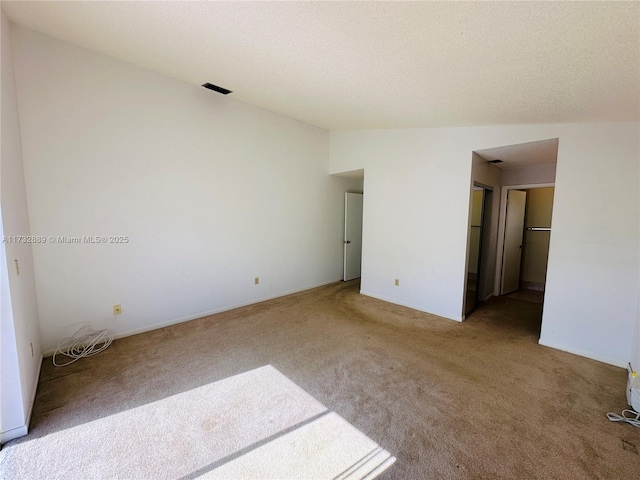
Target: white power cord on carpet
<point>83,343</point>
<point>633,419</point>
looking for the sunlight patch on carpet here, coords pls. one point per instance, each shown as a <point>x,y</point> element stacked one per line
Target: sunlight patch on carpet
<point>257,424</point>
<point>328,447</point>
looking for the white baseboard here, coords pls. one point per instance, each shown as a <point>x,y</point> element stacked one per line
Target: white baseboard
<point>34,391</point>
<point>13,434</point>
<point>584,353</point>
<point>195,316</point>
<point>403,304</point>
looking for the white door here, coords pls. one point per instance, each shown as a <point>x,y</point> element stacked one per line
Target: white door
<point>513,230</point>
<point>352,235</point>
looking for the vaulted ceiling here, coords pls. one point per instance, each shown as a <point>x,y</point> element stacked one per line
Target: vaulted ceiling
<point>344,65</point>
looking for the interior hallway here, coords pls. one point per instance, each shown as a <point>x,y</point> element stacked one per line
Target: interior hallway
<point>478,399</point>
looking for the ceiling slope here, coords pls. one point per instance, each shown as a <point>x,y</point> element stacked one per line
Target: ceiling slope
<point>345,65</point>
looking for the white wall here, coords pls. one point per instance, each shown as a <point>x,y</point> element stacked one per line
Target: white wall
<point>634,357</point>
<point>417,208</point>
<point>12,412</point>
<point>635,348</point>
<point>407,228</point>
<point>21,353</point>
<point>592,276</point>
<point>211,193</point>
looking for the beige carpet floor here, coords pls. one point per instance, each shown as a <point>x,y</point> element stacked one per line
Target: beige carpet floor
<point>478,399</point>
<point>256,425</point>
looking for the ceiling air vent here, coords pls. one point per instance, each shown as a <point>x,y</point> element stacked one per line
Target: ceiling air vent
<point>495,161</point>
<point>216,88</point>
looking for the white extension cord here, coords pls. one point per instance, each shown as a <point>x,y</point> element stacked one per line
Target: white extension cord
<point>83,343</point>
<point>631,416</point>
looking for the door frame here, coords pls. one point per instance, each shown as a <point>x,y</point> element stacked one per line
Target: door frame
<point>502,225</point>
<point>346,241</point>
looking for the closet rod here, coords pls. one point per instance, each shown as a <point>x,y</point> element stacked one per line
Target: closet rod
<point>539,229</point>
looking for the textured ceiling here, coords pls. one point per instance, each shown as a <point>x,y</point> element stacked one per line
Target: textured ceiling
<point>543,152</point>
<point>377,64</point>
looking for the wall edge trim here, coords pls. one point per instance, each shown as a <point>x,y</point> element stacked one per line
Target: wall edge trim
<point>583,353</point>
<point>408,305</point>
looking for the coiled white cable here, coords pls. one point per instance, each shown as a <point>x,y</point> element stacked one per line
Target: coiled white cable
<point>633,419</point>
<point>83,343</point>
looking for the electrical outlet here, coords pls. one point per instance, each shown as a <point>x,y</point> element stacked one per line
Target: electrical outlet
<point>117,309</point>
<point>397,282</point>
<point>256,281</point>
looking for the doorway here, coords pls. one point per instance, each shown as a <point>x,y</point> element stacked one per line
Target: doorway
<point>353,203</point>
<point>519,167</point>
<point>527,235</point>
